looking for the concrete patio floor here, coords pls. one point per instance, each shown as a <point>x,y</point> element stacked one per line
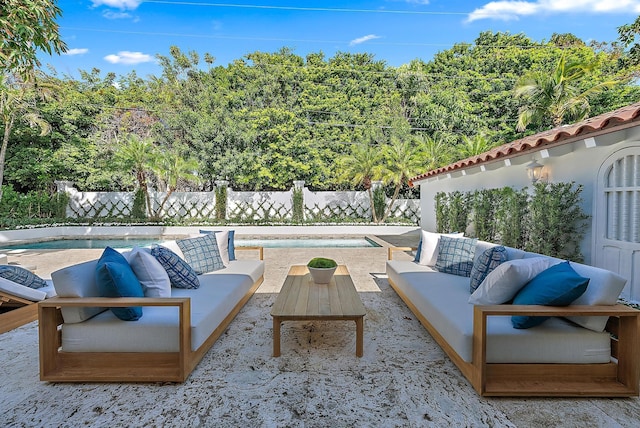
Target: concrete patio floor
<point>403,380</point>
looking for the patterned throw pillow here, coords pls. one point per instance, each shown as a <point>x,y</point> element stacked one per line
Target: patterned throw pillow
<point>21,276</point>
<point>231,242</point>
<point>456,255</point>
<point>180,273</point>
<point>202,253</point>
<point>490,259</point>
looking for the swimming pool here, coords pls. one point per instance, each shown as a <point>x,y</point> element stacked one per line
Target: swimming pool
<point>69,244</point>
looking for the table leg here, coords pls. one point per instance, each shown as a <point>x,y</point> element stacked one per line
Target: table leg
<point>359,336</point>
<point>276,336</point>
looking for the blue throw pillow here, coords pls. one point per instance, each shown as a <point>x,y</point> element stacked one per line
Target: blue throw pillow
<point>115,278</point>
<point>21,276</point>
<point>486,262</point>
<point>202,253</point>
<point>559,285</point>
<point>180,273</point>
<point>418,252</point>
<point>231,241</point>
<point>455,255</point>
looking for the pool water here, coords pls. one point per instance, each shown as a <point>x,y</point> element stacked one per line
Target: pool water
<point>68,244</point>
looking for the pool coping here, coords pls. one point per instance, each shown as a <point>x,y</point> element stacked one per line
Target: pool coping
<point>12,237</point>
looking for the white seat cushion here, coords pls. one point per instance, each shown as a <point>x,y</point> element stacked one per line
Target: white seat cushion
<point>157,330</point>
<point>442,299</point>
<point>15,289</point>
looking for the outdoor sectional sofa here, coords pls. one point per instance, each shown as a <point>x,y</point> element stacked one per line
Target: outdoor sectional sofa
<point>81,340</point>
<point>555,358</point>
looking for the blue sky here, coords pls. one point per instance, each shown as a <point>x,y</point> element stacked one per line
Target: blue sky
<point>123,35</point>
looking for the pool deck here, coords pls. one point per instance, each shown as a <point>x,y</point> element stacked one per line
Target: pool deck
<point>403,379</point>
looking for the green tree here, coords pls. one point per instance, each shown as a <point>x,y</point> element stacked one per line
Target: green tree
<point>403,159</point>
<point>557,94</point>
<point>171,170</point>
<point>627,35</point>
<point>25,27</point>
<point>362,166</point>
<point>18,102</point>
<point>435,149</point>
<point>138,156</point>
<point>473,146</point>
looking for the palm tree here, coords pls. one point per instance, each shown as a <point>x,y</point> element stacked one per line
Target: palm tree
<point>18,102</point>
<point>473,146</point>
<point>138,155</point>
<point>557,95</point>
<point>362,166</point>
<point>171,169</point>
<point>403,160</point>
<point>437,151</point>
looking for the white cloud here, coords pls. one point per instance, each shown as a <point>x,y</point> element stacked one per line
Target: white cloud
<point>363,39</point>
<point>109,14</point>
<point>128,58</point>
<point>119,4</point>
<point>76,51</point>
<point>513,10</point>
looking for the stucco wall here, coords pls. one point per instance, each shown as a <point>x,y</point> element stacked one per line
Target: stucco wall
<point>578,161</point>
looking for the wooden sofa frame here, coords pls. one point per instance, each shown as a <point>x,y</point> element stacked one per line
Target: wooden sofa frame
<point>618,378</point>
<point>21,311</point>
<point>59,366</point>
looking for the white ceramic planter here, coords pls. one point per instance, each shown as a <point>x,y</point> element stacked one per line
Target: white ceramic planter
<point>321,275</point>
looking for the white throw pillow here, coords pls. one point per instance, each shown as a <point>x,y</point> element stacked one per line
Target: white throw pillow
<point>429,246</point>
<point>222,238</point>
<point>153,277</point>
<point>504,282</point>
<point>173,246</point>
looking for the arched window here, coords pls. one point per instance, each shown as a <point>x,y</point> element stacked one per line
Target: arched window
<point>622,198</point>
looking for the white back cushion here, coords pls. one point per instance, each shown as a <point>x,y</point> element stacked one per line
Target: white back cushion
<point>77,281</point>
<point>429,246</point>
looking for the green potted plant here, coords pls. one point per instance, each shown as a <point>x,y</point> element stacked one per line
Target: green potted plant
<point>322,269</point>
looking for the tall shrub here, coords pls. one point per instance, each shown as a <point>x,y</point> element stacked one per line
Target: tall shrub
<point>221,202</point>
<point>556,221</point>
<point>379,202</point>
<point>442,206</point>
<point>298,206</point>
<point>458,211</point>
<point>483,209</point>
<point>510,215</point>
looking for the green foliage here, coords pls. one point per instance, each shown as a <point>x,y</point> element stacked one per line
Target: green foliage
<point>139,209</point>
<point>322,263</point>
<point>557,95</point>
<point>628,34</point>
<point>483,209</point>
<point>266,119</point>
<point>298,206</point>
<point>442,208</point>
<point>511,208</point>
<point>556,220</point>
<point>25,27</point>
<point>32,205</point>
<point>221,202</point>
<point>379,202</point>
<point>458,210</point>
<point>550,222</point>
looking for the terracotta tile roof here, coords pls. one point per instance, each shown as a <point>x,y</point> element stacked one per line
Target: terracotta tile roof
<point>598,125</point>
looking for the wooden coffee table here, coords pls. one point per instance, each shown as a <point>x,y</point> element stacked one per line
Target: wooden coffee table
<point>300,299</point>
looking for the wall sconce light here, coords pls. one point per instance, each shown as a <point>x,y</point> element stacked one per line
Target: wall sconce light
<point>534,171</point>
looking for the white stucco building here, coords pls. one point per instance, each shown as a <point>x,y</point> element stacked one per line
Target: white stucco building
<point>601,153</point>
